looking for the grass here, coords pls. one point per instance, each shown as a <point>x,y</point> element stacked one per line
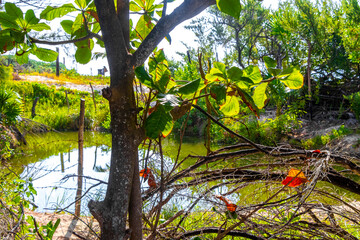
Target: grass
<point>60,108</point>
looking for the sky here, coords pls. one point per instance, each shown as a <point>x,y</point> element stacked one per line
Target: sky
<point>178,35</point>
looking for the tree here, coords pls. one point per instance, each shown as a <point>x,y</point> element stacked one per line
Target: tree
<point>112,17</point>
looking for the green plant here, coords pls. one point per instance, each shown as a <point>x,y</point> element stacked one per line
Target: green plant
<point>10,106</point>
<point>354,100</point>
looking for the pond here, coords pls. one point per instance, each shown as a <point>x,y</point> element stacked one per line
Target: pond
<point>51,161</point>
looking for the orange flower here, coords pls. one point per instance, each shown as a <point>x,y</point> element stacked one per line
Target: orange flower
<point>294,178</point>
<point>230,206</point>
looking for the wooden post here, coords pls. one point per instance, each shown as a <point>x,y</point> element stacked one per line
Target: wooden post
<point>33,114</point>
<point>67,100</point>
<point>93,95</point>
<point>62,162</point>
<point>80,162</point>
<point>57,63</point>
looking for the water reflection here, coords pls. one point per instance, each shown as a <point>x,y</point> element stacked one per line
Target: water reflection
<point>51,160</point>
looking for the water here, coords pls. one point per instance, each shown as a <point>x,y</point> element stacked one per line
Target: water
<point>51,161</point>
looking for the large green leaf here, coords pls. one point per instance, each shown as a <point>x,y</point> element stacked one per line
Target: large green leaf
<point>231,7</point>
<point>218,92</point>
<point>134,7</point>
<point>30,17</point>
<point>81,3</point>
<point>39,27</point>
<point>253,73</point>
<point>144,77</point>
<point>7,21</point>
<point>260,96</point>
<point>190,87</point>
<point>45,54</point>
<point>214,75</point>
<point>234,74</point>
<point>13,10</point>
<point>6,41</point>
<point>221,67</point>
<point>144,26</point>
<point>292,78</point>
<point>160,120</point>
<point>50,13</point>
<point>162,77</point>
<point>231,106</point>
<point>67,26</point>
<point>269,62</point>
<point>22,58</point>
<point>83,55</point>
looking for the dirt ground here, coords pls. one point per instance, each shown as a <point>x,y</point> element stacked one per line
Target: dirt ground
<point>70,228</point>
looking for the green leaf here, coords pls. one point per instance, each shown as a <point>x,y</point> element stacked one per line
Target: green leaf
<point>160,120</point>
<point>77,25</point>
<point>221,67</point>
<point>231,106</point>
<point>30,17</point>
<point>218,92</point>
<point>6,41</point>
<point>8,21</point>
<point>53,229</point>
<point>190,87</point>
<point>253,73</point>
<point>144,26</point>
<point>14,11</point>
<point>274,71</point>
<point>83,55</point>
<point>231,7</point>
<point>214,75</point>
<point>260,96</point>
<point>234,74</point>
<point>269,62</point>
<point>45,54</point>
<point>67,26</point>
<point>40,27</point>
<point>50,13</point>
<point>17,36</point>
<point>23,58</point>
<point>144,77</point>
<point>292,78</point>
<point>162,77</point>
<point>249,102</point>
<point>134,7</point>
<point>81,4</point>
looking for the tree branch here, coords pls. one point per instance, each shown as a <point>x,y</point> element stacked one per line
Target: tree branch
<point>90,35</point>
<point>186,10</point>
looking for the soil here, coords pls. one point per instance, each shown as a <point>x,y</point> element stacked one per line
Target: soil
<point>70,228</point>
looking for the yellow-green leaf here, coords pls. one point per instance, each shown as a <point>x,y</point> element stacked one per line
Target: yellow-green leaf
<point>231,106</point>
<point>260,96</point>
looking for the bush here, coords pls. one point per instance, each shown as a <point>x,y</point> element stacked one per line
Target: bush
<point>10,106</point>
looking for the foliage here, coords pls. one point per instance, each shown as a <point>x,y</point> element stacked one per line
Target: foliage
<point>10,105</point>
<point>53,110</point>
<point>354,100</point>
<point>318,141</point>
<point>16,195</point>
